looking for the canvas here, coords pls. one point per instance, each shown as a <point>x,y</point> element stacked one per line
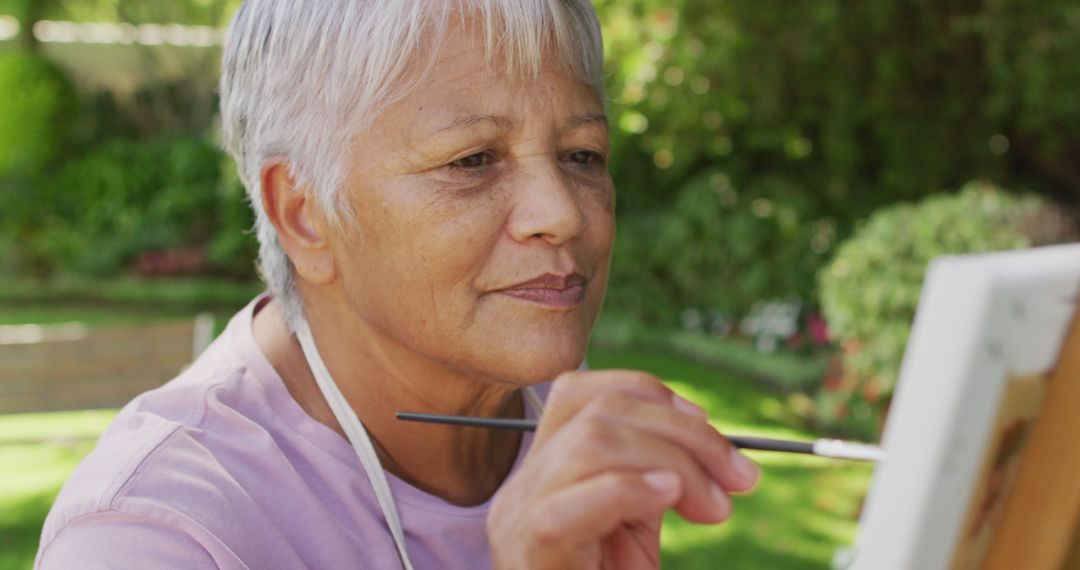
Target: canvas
<point>978,375</point>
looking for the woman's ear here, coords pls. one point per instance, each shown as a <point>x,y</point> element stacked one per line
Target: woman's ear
<point>300,224</point>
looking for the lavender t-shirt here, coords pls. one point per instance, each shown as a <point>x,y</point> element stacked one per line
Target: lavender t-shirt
<point>221,468</point>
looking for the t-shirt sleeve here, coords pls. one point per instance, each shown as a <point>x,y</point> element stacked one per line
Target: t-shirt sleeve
<point>117,541</point>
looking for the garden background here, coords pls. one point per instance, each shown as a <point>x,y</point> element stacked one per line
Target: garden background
<point>784,171</point>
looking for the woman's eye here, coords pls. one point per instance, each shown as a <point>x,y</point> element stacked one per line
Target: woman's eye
<point>586,158</point>
<point>473,161</point>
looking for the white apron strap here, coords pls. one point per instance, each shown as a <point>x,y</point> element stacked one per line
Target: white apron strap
<point>361,442</point>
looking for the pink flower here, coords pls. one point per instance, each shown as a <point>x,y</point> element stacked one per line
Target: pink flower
<point>817,328</point>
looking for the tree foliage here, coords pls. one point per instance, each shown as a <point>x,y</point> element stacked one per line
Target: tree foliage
<point>815,114</point>
<point>187,12</point>
<point>37,105</point>
<point>859,103</point>
<point>750,137</point>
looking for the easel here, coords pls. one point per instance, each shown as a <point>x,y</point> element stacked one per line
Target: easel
<point>1039,529</point>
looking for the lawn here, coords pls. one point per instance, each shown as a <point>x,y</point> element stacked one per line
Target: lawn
<point>803,509</point>
<point>38,451</point>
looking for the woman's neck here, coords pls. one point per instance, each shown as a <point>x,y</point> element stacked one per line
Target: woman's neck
<point>464,466</point>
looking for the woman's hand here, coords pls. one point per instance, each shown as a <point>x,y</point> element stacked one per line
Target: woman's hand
<point>613,451</point>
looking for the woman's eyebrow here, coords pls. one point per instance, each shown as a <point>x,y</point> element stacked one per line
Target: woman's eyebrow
<point>589,118</point>
<point>503,122</point>
<point>470,120</point>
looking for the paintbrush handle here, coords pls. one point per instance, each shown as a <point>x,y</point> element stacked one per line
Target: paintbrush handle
<point>822,447</point>
<point>766,444</point>
<point>469,421</point>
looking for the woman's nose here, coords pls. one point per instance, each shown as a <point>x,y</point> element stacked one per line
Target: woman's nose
<point>547,206</point>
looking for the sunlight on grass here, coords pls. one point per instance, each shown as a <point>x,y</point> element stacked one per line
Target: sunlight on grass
<point>48,425</point>
<point>45,447</point>
<point>38,451</point>
<point>42,468</point>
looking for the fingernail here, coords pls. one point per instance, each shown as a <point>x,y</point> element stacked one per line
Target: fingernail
<point>687,407</point>
<point>745,469</point>
<point>663,482</point>
<point>722,503</point>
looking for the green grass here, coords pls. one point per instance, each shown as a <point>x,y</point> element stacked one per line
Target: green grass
<point>784,370</point>
<point>41,313</point>
<point>102,315</point>
<point>801,511</point>
<point>38,451</point>
<point>152,296</point>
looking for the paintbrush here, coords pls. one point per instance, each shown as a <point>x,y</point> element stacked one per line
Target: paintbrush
<point>835,448</point>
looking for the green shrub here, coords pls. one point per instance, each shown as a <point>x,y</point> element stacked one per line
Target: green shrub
<point>719,249</point>
<point>233,249</point>
<point>130,196</point>
<point>125,197</point>
<point>870,289</point>
<point>37,106</point>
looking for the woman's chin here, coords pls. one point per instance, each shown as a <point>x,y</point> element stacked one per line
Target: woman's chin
<point>537,360</point>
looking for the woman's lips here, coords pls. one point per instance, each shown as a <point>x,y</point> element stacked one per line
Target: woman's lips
<point>560,298</point>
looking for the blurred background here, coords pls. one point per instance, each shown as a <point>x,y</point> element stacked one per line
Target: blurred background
<point>785,171</point>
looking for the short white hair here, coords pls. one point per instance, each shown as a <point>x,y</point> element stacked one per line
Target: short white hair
<point>300,79</point>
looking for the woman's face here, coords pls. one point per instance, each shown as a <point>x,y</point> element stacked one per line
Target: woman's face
<point>484,219</point>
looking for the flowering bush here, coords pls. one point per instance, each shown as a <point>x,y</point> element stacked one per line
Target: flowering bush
<point>870,290</point>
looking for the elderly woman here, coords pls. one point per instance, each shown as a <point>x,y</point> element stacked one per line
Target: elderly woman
<point>436,218</point>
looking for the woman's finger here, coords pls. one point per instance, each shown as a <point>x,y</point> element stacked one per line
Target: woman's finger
<point>589,448</point>
<point>585,513</point>
<point>572,391</point>
<point>721,460</point>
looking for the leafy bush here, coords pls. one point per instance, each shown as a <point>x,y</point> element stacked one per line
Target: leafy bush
<point>869,291</point>
<point>719,249</point>
<point>128,197</point>
<point>233,249</point>
<point>37,103</point>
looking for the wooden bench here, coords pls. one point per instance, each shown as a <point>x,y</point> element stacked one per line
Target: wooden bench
<point>72,366</point>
